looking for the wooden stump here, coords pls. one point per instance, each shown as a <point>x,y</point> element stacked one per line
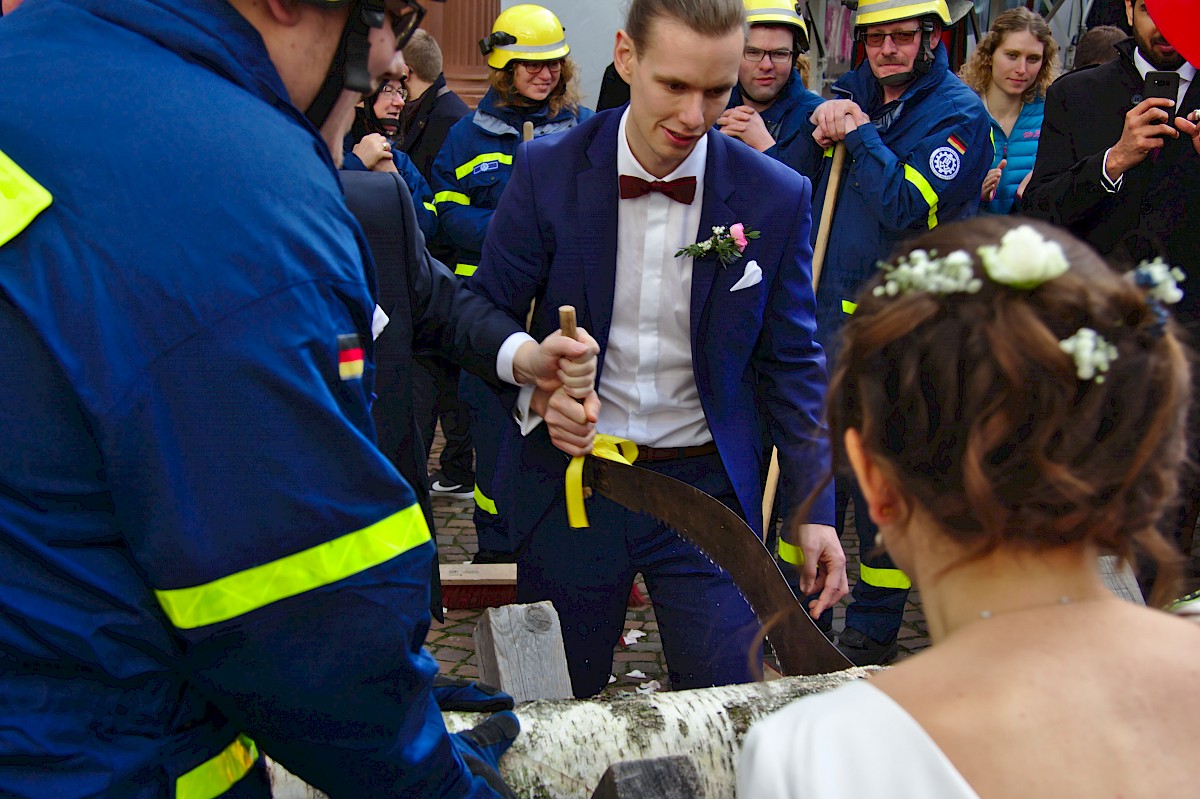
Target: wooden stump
<point>519,649</point>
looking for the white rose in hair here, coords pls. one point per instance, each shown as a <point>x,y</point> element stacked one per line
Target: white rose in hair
<point>1024,260</point>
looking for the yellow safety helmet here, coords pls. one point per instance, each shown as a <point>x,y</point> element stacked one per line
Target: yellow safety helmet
<point>877,12</point>
<point>778,12</point>
<point>525,33</point>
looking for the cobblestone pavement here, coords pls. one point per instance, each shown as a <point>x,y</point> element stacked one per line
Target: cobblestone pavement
<point>640,662</point>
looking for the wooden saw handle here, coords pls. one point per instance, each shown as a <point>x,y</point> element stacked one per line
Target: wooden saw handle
<point>566,320</point>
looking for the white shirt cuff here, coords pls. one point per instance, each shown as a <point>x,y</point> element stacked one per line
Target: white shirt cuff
<point>526,419</point>
<point>508,353</point>
<point>1110,186</point>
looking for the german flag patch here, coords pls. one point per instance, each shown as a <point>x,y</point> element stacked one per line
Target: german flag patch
<point>350,356</point>
<point>957,144</point>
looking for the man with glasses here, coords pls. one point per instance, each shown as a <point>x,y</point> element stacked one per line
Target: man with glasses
<point>205,555</point>
<point>770,102</point>
<point>917,148</point>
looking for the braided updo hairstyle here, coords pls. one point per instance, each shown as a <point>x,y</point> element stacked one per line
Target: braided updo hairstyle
<point>976,412</point>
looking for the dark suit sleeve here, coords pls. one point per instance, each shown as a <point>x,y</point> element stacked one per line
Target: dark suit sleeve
<point>791,368</point>
<point>1065,187</point>
<point>446,316</point>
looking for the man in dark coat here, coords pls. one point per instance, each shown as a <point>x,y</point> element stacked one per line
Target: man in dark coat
<point>1113,170</point>
<point>432,108</point>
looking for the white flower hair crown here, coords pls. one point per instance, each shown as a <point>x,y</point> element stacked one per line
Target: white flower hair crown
<point>1092,353</point>
<point>922,271</point>
<point>1024,260</point>
<point>1161,284</point>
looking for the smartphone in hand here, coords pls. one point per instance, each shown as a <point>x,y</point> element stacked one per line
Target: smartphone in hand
<point>1163,84</point>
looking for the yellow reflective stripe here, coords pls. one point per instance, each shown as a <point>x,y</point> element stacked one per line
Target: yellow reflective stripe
<point>883,578</point>
<point>431,208</point>
<point>466,270</point>
<point>214,777</point>
<point>451,197</point>
<point>469,167</point>
<point>790,553</point>
<point>849,307</point>
<point>245,591</point>
<point>917,179</point>
<point>828,152</point>
<point>21,199</point>
<point>484,503</point>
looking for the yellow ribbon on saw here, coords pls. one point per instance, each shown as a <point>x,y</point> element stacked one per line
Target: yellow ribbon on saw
<point>608,447</point>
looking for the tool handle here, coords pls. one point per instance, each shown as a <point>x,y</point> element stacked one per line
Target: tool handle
<point>826,226</point>
<point>771,487</point>
<point>527,131</point>
<point>566,320</point>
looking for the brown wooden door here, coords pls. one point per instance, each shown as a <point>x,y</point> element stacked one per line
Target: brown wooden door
<point>458,25</point>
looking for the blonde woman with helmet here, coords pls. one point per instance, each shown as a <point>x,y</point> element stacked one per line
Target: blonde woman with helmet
<point>532,81</point>
<point>1012,407</point>
<point>1011,70</point>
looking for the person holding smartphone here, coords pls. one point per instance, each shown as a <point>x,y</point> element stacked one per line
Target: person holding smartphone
<point>1113,168</point>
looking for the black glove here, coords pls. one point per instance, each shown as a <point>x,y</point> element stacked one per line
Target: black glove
<point>482,746</point>
<point>453,693</point>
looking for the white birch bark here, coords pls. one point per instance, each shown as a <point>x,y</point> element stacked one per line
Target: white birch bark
<point>565,746</point>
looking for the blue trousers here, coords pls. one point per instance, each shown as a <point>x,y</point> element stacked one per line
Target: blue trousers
<point>707,629</point>
<point>488,420</point>
<point>875,610</point>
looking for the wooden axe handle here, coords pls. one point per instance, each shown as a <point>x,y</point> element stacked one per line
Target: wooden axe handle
<point>822,245</point>
<point>566,320</point>
<point>527,131</point>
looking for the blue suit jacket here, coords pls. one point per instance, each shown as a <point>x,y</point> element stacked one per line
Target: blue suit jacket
<point>760,374</point>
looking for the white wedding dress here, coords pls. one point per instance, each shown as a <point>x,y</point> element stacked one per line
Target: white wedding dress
<point>851,743</point>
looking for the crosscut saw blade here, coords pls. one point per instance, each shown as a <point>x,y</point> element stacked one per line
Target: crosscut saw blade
<point>722,535</point>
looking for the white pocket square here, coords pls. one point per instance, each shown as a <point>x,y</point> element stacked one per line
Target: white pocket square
<point>751,277</point>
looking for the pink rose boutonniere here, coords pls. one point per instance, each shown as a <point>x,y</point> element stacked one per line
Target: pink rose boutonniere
<point>727,243</point>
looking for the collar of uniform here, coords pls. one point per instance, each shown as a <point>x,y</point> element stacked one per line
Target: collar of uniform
<point>1186,72</point>
<point>692,166</point>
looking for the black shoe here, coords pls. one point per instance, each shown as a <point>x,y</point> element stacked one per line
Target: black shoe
<point>494,556</point>
<point>864,651</point>
<point>442,486</point>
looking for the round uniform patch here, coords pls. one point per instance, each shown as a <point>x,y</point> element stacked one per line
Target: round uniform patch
<point>945,163</point>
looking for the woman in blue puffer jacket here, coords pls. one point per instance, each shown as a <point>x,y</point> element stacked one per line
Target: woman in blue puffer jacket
<point>532,80</point>
<point>1011,70</point>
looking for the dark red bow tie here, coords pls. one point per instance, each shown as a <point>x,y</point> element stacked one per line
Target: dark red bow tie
<point>682,190</point>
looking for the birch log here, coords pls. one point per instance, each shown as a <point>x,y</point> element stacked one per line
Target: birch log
<point>566,745</point>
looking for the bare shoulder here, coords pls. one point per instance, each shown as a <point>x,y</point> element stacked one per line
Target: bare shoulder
<point>1098,701</point>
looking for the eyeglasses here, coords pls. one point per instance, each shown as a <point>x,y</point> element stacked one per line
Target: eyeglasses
<point>536,67</point>
<point>899,38</point>
<point>754,55</point>
<point>390,89</point>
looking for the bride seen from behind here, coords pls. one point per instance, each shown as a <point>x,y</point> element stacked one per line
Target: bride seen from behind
<point>1012,408</point>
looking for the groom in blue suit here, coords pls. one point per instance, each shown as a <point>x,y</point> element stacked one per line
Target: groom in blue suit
<point>703,365</point>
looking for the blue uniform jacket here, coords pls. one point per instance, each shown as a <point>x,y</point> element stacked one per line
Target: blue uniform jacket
<point>1021,151</point>
<point>474,165</point>
<point>203,551</point>
<point>788,114</point>
<point>422,194</point>
<point>760,375</point>
<point>921,163</point>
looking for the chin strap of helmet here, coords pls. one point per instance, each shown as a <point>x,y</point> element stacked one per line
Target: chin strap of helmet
<point>349,69</point>
<point>921,64</point>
